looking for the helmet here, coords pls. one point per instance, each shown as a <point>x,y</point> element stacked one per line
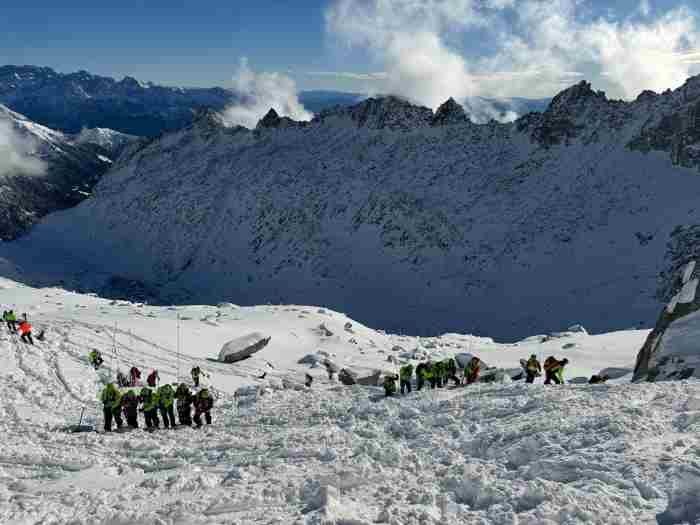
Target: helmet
<point>533,356</point>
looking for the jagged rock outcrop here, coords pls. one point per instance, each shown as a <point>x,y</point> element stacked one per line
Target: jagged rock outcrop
<point>671,350</point>
<point>449,113</point>
<point>406,225</point>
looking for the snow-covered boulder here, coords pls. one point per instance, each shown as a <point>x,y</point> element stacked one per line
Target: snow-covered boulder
<point>671,350</point>
<point>347,377</point>
<point>464,358</point>
<point>243,347</point>
<point>614,372</point>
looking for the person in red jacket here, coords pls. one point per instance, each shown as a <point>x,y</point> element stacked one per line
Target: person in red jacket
<point>25,330</point>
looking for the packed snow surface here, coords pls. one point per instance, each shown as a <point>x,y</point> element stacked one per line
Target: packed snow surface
<point>278,452</point>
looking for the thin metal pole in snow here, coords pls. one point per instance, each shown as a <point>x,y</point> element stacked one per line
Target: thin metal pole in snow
<point>178,348</point>
<point>114,345</point>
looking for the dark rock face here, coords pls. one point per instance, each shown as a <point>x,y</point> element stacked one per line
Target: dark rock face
<point>449,113</point>
<point>392,113</point>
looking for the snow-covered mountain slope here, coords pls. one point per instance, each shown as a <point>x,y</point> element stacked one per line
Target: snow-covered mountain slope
<point>492,454</point>
<point>112,141</point>
<point>410,221</point>
<point>41,171</point>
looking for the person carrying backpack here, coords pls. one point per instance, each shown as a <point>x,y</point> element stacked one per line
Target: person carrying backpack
<point>533,369</point>
<point>153,378</point>
<point>149,399</point>
<point>472,370</point>
<point>25,331</point>
<point>195,372</point>
<point>421,371</point>
<point>130,408</point>
<point>166,400</point>
<point>184,404</point>
<point>111,406</point>
<point>405,374</point>
<point>203,403</point>
<point>95,359</point>
<point>11,320</point>
<point>390,384</point>
<point>135,374</point>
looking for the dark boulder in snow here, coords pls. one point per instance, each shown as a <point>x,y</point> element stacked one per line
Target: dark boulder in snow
<point>671,350</point>
<point>243,347</point>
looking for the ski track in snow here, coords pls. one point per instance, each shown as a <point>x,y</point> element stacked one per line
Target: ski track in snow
<point>487,454</point>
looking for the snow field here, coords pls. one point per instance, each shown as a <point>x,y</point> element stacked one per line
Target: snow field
<point>487,454</point>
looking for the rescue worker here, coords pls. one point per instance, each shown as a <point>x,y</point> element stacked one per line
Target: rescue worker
<point>203,403</point>
<point>166,399</point>
<point>111,406</point>
<point>149,399</point>
<point>135,374</point>
<point>195,375</point>
<point>472,370</point>
<point>431,374</point>
<point>153,378</point>
<point>405,374</point>
<point>122,380</point>
<point>598,380</point>
<point>308,379</point>
<point>533,369</point>
<point>25,331</point>
<point>390,384</point>
<point>554,370</point>
<point>130,407</point>
<point>11,321</point>
<point>95,358</point>
<point>451,368</point>
<point>184,404</point>
<point>421,371</point>
<point>440,373</point>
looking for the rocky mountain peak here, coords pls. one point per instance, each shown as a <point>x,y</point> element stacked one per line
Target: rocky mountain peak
<point>449,112</point>
<point>388,112</point>
<point>575,99</point>
<point>272,120</point>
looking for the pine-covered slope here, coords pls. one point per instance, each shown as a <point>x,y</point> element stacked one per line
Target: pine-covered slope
<point>410,220</point>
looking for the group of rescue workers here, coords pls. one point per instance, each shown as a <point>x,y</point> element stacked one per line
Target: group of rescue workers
<point>129,397</point>
<point>439,373</point>
<point>20,326</point>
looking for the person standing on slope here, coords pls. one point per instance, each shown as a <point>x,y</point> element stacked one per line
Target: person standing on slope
<point>11,321</point>
<point>95,359</point>
<point>25,331</point>
<point>451,367</point>
<point>421,371</point>
<point>203,404</point>
<point>135,375</point>
<point>166,399</point>
<point>184,404</point>
<point>130,407</point>
<point>149,399</point>
<point>390,384</point>
<point>405,374</point>
<point>554,370</point>
<point>195,372</point>
<point>472,370</point>
<point>533,369</point>
<point>153,378</point>
<point>111,406</point>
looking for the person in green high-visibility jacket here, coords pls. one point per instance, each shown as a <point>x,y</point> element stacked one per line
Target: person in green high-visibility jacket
<point>431,374</point>
<point>149,400</point>
<point>166,402</point>
<point>439,373</point>
<point>405,374</point>
<point>451,368</point>
<point>390,384</point>
<point>421,373</point>
<point>111,406</point>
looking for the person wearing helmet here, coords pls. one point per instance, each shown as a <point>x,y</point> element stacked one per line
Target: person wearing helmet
<point>149,399</point>
<point>153,378</point>
<point>184,404</point>
<point>130,407</point>
<point>405,374</point>
<point>95,358</point>
<point>533,369</point>
<point>390,384</point>
<point>451,367</point>
<point>554,370</point>
<point>111,406</point>
<point>472,370</point>
<point>203,403</point>
<point>25,330</point>
<point>11,321</point>
<point>166,399</point>
<point>421,375</point>
<point>195,373</point>
<point>135,374</point>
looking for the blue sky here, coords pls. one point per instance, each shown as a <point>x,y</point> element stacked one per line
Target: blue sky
<point>200,43</point>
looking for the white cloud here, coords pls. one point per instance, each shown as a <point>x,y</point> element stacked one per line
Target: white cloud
<point>371,77</point>
<point>261,92</point>
<point>15,153</point>
<point>536,46</point>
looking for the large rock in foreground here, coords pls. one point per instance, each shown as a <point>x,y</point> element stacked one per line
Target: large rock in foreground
<point>243,347</point>
<point>671,350</point>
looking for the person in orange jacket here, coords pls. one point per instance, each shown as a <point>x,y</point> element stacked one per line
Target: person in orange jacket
<point>25,330</point>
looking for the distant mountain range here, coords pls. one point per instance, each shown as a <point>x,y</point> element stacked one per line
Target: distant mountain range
<point>412,220</point>
<point>73,101</point>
